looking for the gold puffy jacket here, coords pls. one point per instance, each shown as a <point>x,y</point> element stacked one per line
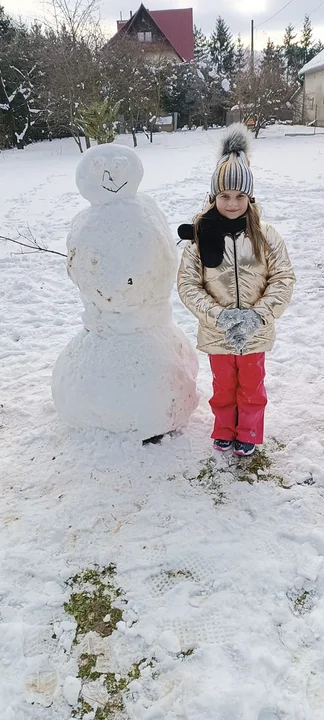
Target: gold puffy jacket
<point>241,281</point>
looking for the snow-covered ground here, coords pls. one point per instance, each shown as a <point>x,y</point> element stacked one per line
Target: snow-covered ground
<point>223,577</point>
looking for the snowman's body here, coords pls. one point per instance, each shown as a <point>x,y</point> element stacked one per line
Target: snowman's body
<point>131,369</point>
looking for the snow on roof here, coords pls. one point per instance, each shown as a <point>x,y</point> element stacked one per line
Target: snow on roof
<point>317,63</point>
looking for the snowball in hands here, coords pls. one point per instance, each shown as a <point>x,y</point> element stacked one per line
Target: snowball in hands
<point>131,369</point>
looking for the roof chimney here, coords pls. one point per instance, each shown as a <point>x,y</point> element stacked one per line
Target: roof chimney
<point>131,13</point>
<point>121,15</point>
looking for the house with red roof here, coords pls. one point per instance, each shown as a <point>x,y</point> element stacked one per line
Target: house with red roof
<point>166,32</point>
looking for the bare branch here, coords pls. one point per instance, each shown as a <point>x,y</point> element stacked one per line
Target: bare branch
<point>78,16</point>
<point>34,247</point>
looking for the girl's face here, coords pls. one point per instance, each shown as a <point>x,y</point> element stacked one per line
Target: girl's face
<point>232,204</point>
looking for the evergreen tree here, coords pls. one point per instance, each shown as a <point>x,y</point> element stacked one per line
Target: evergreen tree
<point>298,53</point>
<point>240,55</point>
<point>306,40</point>
<point>307,48</point>
<point>291,53</point>
<point>19,89</point>
<point>7,30</point>
<point>201,47</point>
<point>317,48</point>
<point>222,49</point>
<point>271,59</point>
<point>183,92</point>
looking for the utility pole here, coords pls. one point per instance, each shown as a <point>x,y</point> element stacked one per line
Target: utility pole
<point>252,45</point>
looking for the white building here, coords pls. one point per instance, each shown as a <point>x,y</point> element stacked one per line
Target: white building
<point>313,91</point>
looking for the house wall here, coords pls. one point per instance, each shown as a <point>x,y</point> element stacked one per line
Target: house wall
<point>156,52</point>
<point>297,106</point>
<point>313,100</point>
<point>154,42</point>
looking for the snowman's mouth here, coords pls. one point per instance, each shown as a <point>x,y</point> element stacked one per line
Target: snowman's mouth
<point>116,189</point>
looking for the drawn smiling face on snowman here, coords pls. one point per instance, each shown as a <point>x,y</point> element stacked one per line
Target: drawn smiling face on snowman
<point>120,254</point>
<point>108,173</point>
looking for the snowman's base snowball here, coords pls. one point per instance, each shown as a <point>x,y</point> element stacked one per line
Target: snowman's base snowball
<point>143,383</point>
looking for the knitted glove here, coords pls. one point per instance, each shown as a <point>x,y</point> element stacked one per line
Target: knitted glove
<point>229,319</point>
<point>249,321</point>
<point>238,334</point>
<point>236,339</point>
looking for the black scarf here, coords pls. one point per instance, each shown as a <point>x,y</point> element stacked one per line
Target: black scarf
<point>213,227</point>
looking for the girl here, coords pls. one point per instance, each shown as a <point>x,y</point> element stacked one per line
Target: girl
<point>236,278</point>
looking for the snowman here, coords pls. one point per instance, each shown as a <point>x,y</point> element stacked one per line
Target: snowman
<point>130,369</point>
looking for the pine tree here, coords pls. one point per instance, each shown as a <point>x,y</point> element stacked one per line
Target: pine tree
<point>201,48</point>
<point>317,48</point>
<point>306,40</point>
<point>7,30</point>
<point>240,55</point>
<point>20,67</point>
<point>298,53</point>
<point>183,92</point>
<point>222,49</point>
<point>271,59</point>
<point>291,53</point>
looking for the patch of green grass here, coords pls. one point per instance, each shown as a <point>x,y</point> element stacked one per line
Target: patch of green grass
<point>89,610</point>
<point>208,477</point>
<point>93,601</point>
<point>257,468</point>
<point>254,468</point>
<point>135,671</point>
<point>207,471</point>
<point>87,667</point>
<point>186,653</point>
<point>83,709</point>
<point>108,712</point>
<point>93,594</point>
<point>179,573</point>
<point>302,602</point>
<point>113,685</point>
<point>277,444</point>
<point>94,576</point>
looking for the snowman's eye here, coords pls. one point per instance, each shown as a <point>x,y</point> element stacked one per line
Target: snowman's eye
<point>130,281</point>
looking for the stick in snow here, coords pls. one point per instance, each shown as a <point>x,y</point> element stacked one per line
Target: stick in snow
<point>33,245</point>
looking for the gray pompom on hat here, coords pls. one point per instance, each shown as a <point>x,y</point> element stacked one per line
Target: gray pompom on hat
<point>233,170</point>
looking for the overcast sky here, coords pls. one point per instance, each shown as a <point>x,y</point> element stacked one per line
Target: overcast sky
<point>237,13</point>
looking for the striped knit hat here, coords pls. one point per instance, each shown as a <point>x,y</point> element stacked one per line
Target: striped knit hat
<point>233,170</point>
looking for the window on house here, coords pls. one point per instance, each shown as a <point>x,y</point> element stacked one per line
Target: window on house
<point>145,36</point>
<point>311,103</point>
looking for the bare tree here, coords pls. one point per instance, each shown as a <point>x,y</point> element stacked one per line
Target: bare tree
<point>263,94</point>
<point>127,79</point>
<point>73,65</point>
<point>80,18</point>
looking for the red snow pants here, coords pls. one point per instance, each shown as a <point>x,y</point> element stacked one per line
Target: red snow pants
<point>239,397</point>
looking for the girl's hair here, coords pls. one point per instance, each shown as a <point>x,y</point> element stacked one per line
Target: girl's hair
<point>253,226</point>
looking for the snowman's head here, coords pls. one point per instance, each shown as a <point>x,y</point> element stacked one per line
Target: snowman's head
<point>108,172</point>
